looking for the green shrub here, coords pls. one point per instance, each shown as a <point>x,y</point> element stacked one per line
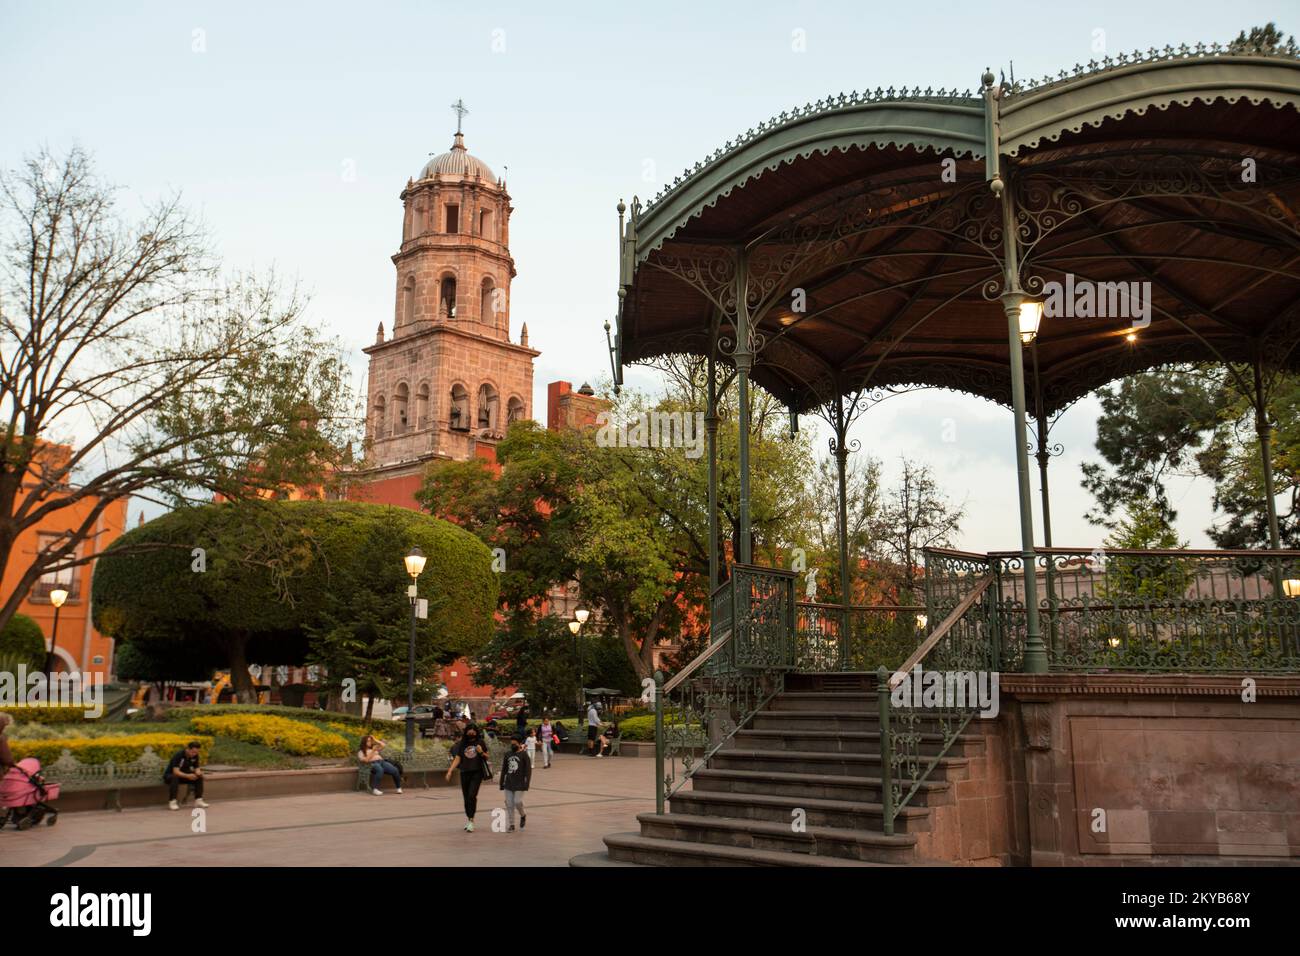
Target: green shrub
<point>103,749</point>
<point>22,642</point>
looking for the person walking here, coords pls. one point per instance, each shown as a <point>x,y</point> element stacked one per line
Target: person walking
<point>521,718</point>
<point>516,774</point>
<point>547,735</point>
<point>470,756</point>
<point>593,729</point>
<point>371,754</point>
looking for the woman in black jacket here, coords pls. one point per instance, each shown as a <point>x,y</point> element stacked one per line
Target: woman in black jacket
<point>470,756</point>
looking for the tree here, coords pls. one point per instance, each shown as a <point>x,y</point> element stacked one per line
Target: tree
<point>162,663</point>
<point>128,366</point>
<point>629,524</point>
<point>1151,427</point>
<point>539,655</point>
<point>22,642</point>
<point>290,581</point>
<point>1265,39</point>
<point>916,515</point>
<point>1199,421</point>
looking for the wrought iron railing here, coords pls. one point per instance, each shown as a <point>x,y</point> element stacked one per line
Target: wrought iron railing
<point>919,726</point>
<point>831,637</point>
<point>1155,611</point>
<point>701,707</point>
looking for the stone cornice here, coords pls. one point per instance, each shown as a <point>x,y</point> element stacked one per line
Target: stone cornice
<point>448,328</point>
<point>1145,685</point>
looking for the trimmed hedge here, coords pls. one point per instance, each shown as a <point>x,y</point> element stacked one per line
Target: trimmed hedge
<point>46,714</point>
<point>103,749</point>
<point>278,733</point>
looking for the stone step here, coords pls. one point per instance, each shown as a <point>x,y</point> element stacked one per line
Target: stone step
<point>812,786</point>
<point>830,720</point>
<point>846,741</point>
<point>815,762</point>
<point>780,837</point>
<point>635,848</point>
<point>837,702</point>
<point>779,808</point>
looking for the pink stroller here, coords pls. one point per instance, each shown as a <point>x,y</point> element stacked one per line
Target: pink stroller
<point>25,796</point>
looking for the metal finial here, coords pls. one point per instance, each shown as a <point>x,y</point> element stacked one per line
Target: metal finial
<point>460,109</point>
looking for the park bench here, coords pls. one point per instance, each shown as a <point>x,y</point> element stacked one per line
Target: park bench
<point>422,762</point>
<point>145,771</point>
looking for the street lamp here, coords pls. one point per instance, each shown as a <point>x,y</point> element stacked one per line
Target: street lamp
<point>1291,587</point>
<point>1031,314</point>
<point>414,562</point>
<point>57,597</point>
<point>580,618</point>
<point>921,621</point>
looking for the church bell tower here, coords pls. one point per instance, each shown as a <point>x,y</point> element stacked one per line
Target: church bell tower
<point>449,379</point>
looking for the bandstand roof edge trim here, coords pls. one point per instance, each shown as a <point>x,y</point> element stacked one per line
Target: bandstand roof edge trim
<point>843,198</point>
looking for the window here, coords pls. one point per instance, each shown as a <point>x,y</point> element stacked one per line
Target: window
<point>381,407</point>
<point>447,299</point>
<point>487,306</point>
<point>487,407</point>
<point>400,398</point>
<point>422,406</point>
<point>453,218</point>
<point>68,578</point>
<point>485,224</point>
<point>514,410</point>
<point>408,301</point>
<point>459,417</point>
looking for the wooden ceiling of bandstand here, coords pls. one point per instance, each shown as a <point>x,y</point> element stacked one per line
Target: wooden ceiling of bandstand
<point>901,269</point>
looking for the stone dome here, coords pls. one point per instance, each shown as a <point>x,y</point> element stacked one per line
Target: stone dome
<point>458,162</point>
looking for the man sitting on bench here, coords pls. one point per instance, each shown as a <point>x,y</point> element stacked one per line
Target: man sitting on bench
<point>184,768</point>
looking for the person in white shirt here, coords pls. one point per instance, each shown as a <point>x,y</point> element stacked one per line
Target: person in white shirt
<point>593,729</point>
<point>530,745</point>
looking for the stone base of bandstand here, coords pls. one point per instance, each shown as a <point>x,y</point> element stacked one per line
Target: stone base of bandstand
<point>1120,769</point>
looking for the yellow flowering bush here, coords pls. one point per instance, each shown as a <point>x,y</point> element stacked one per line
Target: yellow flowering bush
<point>278,733</point>
<point>45,713</point>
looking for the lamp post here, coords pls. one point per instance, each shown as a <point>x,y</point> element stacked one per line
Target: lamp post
<point>579,618</point>
<point>57,597</point>
<point>414,561</point>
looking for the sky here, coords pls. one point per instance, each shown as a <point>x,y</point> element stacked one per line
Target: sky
<point>292,129</point>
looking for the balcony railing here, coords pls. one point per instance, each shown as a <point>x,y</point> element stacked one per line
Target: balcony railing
<point>1130,610</point>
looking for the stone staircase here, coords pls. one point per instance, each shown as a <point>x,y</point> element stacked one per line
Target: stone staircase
<point>815,748</point>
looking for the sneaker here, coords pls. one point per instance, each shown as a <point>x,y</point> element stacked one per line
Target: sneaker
<point>510,829</point>
<point>523,821</point>
<point>201,803</point>
<point>398,790</point>
<point>600,755</point>
<point>377,793</point>
<point>173,805</point>
<point>469,827</point>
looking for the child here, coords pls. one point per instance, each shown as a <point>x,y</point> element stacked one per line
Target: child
<point>531,747</point>
<point>548,739</point>
<point>516,773</point>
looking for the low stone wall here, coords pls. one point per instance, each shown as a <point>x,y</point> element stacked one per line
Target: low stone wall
<point>1112,769</point>
<point>243,785</point>
<point>971,823</point>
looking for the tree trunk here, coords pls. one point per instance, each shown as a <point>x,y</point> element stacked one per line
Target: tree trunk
<point>370,708</point>
<point>240,680</point>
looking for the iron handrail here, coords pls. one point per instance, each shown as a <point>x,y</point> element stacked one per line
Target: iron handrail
<point>696,664</point>
<point>941,631</point>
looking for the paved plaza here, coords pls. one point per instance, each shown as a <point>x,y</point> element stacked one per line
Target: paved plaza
<point>571,807</point>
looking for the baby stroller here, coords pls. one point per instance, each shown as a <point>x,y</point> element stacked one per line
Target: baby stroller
<point>25,796</point>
